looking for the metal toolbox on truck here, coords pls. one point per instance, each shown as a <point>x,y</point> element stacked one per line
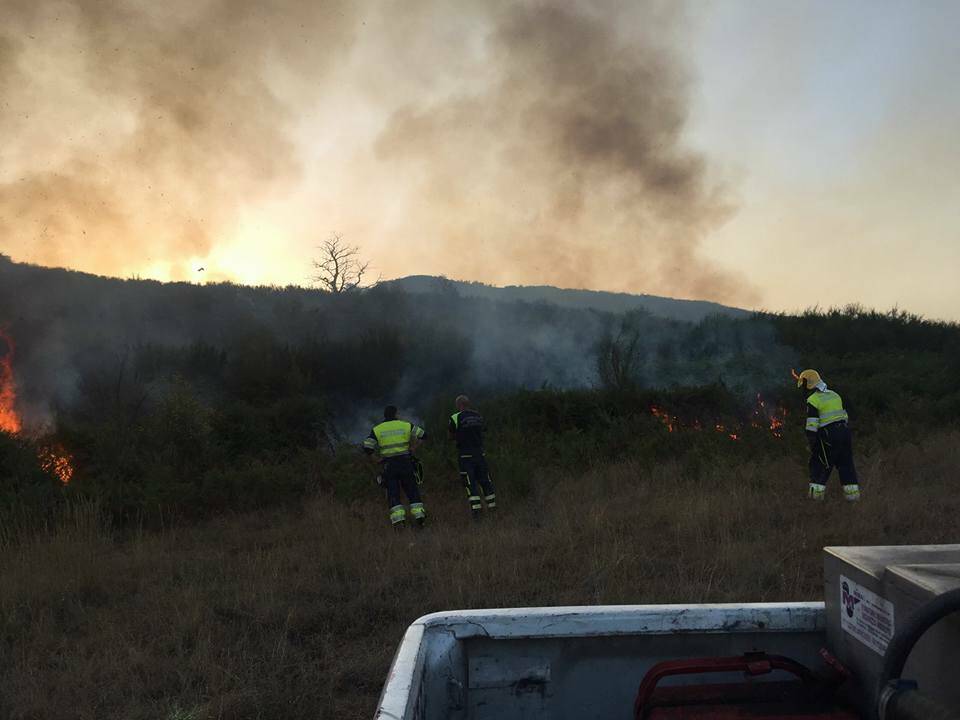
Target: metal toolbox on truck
<point>870,591</point>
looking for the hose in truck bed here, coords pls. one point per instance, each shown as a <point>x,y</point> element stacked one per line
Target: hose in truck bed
<point>911,704</point>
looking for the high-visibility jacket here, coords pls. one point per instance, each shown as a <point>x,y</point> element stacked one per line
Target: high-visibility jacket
<point>824,407</point>
<point>392,438</point>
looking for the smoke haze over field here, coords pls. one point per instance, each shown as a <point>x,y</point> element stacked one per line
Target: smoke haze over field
<point>545,137</point>
<point>75,331</point>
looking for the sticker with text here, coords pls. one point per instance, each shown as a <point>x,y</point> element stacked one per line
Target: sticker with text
<point>866,615</point>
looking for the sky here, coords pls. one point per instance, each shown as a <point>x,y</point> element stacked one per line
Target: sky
<point>777,155</point>
<point>837,125</point>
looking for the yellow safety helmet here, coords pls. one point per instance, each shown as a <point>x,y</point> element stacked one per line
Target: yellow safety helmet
<point>809,377</point>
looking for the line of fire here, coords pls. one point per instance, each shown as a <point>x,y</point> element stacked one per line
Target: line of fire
<point>762,417</point>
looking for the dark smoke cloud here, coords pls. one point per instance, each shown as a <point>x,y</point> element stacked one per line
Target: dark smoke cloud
<point>143,127</point>
<point>570,159</point>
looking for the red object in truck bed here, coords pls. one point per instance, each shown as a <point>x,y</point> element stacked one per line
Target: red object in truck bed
<point>807,698</point>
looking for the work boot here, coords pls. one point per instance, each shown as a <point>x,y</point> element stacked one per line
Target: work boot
<point>851,492</point>
<point>817,491</point>
<point>475,515</point>
<point>400,526</point>
<point>421,522</point>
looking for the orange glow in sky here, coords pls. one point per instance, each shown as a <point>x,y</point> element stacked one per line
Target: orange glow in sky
<point>777,155</point>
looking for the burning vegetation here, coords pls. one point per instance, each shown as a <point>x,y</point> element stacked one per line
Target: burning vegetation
<point>9,419</point>
<point>53,457</point>
<point>761,418</point>
<point>57,462</point>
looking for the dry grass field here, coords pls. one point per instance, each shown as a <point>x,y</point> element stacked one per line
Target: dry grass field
<point>296,614</point>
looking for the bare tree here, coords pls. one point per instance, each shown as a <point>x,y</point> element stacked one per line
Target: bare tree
<point>618,359</point>
<point>339,267</point>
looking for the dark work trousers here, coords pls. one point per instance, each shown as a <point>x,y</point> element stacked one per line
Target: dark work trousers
<point>476,477</point>
<point>833,448</point>
<point>398,474</point>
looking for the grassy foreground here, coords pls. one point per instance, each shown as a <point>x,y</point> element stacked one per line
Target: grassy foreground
<point>296,614</point>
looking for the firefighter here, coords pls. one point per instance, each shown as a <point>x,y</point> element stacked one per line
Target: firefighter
<point>829,438</point>
<point>466,427</point>
<point>391,443</point>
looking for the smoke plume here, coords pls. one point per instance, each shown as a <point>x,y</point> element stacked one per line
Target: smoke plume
<point>140,129</point>
<point>569,156</point>
<point>497,141</point>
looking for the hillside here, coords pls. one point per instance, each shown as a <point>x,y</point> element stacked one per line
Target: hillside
<point>64,322</point>
<point>662,307</point>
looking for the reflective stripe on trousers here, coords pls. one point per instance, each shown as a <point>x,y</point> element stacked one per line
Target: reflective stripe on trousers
<point>476,479</point>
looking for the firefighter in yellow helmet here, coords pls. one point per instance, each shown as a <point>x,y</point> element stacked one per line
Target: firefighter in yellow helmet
<point>829,437</point>
<point>394,441</point>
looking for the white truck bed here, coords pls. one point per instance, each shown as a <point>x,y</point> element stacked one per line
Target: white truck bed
<point>575,662</point>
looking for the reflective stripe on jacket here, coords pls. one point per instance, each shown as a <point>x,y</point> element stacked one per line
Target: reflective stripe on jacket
<point>392,437</point>
<point>827,408</point>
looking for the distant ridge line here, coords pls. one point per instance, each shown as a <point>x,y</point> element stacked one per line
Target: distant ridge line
<point>604,301</point>
<point>674,309</point>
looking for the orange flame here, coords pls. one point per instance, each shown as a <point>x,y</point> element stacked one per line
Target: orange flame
<point>53,458</point>
<point>663,417</point>
<point>9,419</point>
<point>763,418</point>
<point>766,419</point>
<point>56,461</point>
